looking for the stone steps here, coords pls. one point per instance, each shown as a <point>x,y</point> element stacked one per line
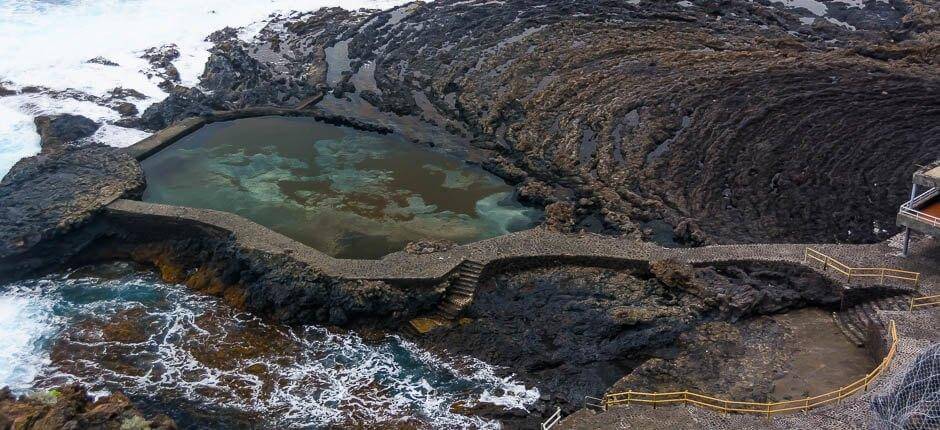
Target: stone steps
<point>460,293</point>
<point>849,330</point>
<point>854,321</point>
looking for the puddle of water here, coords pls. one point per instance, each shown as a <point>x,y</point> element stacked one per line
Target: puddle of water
<point>207,365</point>
<point>348,193</point>
<point>662,233</point>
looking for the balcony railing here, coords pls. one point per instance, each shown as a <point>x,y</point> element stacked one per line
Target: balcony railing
<point>910,208</point>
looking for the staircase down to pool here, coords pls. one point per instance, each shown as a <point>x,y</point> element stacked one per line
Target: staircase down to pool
<point>460,293</point>
<point>854,321</point>
<point>457,297</point>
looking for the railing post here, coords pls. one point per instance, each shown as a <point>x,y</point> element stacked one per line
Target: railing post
<point>912,305</point>
<point>882,276</point>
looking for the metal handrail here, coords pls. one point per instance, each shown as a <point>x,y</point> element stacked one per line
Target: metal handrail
<point>759,408</point>
<point>860,272</point>
<point>921,216</point>
<point>923,197</point>
<point>910,208</point>
<point>917,302</point>
<point>552,420</point>
<point>597,403</point>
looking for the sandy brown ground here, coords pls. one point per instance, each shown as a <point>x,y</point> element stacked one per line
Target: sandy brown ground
<point>822,358</point>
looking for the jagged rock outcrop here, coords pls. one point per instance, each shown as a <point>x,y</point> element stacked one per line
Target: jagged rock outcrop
<point>57,131</point>
<point>47,196</point>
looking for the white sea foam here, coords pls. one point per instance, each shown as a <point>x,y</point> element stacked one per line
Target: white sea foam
<point>26,321</point>
<point>48,43</point>
<point>308,377</point>
<point>816,7</point>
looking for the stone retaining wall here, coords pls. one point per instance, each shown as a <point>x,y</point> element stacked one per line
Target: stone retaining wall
<point>536,246</point>
<point>172,134</point>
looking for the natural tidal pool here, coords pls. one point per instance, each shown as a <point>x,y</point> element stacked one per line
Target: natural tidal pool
<point>346,192</point>
<point>207,365</point>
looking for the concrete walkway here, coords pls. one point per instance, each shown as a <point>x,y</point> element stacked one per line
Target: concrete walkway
<point>535,243</point>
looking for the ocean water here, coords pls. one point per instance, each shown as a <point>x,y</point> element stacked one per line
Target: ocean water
<point>116,327</point>
<point>48,44</point>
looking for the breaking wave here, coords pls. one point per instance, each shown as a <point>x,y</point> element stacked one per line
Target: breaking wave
<point>183,354</point>
<point>48,44</point>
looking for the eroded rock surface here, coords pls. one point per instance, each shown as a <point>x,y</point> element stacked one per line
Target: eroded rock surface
<point>46,196</point>
<point>57,131</point>
<point>731,122</point>
<point>273,286</point>
<point>575,331</point>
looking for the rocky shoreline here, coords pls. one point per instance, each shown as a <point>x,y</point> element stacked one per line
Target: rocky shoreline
<point>70,407</point>
<point>733,124</point>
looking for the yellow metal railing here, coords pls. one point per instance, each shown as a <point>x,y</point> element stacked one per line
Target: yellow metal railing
<point>757,408</point>
<point>917,302</point>
<point>882,273</point>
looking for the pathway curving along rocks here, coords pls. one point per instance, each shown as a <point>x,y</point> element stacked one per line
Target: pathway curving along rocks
<point>532,244</point>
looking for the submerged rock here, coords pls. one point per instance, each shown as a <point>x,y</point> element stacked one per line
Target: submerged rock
<point>102,61</point>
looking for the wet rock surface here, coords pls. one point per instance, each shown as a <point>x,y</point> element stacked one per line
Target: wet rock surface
<point>57,131</point>
<point>272,286</point>
<point>42,198</point>
<point>575,331</point>
<point>70,407</point>
<point>721,121</point>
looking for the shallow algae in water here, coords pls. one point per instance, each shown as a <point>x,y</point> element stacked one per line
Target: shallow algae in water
<point>346,192</point>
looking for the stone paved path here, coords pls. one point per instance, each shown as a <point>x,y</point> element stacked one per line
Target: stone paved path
<point>537,243</point>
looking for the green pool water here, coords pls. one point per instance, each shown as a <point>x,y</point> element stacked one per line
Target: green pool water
<point>346,192</point>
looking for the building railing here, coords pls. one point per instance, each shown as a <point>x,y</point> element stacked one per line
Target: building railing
<point>882,273</point>
<point>758,408</point>
<point>910,208</point>
<point>552,420</point>
<point>917,302</point>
